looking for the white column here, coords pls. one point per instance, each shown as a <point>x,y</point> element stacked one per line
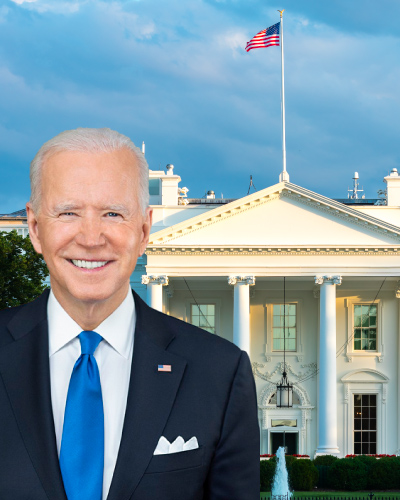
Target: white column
<point>327,389</point>
<point>397,293</point>
<point>241,310</point>
<point>154,290</point>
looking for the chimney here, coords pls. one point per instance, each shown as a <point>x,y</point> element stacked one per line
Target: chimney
<point>393,188</point>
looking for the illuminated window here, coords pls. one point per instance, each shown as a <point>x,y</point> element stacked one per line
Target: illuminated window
<point>278,318</point>
<point>364,424</point>
<point>203,315</point>
<point>365,327</point>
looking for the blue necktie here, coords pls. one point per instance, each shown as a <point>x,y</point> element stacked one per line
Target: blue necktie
<point>82,445</point>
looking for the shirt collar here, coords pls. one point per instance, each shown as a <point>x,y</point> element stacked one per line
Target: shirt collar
<point>118,329</point>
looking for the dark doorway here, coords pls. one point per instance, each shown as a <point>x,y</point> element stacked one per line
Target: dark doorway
<point>288,439</point>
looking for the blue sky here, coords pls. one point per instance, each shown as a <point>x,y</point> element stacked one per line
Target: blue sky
<point>175,74</point>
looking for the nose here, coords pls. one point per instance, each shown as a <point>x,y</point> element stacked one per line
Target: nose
<point>90,232</point>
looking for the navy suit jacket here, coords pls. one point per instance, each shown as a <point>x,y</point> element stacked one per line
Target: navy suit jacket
<point>209,394</point>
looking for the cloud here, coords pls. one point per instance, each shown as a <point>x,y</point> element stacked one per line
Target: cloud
<point>176,75</point>
<point>20,2</point>
<point>57,6</point>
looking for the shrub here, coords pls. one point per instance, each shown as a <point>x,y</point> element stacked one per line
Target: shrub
<point>350,474</point>
<point>325,460</point>
<point>384,474</point>
<point>303,475</point>
<point>290,459</point>
<point>267,471</point>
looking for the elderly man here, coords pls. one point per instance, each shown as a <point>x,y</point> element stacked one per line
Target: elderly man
<point>100,395</point>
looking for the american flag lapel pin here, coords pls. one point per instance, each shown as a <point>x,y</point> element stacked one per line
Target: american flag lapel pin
<point>164,368</point>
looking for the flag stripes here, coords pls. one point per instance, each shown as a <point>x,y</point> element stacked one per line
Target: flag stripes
<point>265,38</point>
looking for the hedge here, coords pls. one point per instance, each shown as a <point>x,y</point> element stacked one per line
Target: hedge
<point>267,471</point>
<point>325,460</point>
<point>303,475</point>
<point>344,474</point>
<point>348,474</point>
<point>364,472</point>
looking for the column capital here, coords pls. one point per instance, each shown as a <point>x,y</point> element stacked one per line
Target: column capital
<point>332,280</point>
<point>247,280</point>
<point>154,279</point>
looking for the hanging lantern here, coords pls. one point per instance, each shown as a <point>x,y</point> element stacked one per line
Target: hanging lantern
<point>284,393</point>
<point>284,390</point>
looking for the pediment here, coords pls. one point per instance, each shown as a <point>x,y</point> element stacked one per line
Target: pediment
<point>284,214</point>
<point>363,376</point>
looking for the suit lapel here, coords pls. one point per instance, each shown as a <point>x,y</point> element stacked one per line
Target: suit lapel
<point>150,400</point>
<point>24,368</point>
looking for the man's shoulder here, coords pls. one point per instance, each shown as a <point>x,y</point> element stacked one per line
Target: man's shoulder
<point>21,316</point>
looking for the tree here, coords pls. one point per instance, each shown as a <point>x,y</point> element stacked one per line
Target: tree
<point>22,270</point>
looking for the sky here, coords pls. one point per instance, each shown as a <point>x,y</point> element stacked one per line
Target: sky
<point>175,74</point>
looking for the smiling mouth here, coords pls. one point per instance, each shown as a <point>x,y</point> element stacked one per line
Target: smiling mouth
<point>89,264</point>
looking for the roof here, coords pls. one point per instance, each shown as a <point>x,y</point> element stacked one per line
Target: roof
<point>19,213</point>
<point>169,235</point>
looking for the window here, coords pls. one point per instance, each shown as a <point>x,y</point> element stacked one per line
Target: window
<point>154,187</point>
<point>203,315</point>
<point>365,323</point>
<point>364,424</point>
<point>278,317</point>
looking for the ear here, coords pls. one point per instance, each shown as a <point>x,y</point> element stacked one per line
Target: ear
<point>146,226</point>
<point>33,228</point>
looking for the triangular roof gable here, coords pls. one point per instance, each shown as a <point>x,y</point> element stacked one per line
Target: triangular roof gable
<point>317,210</point>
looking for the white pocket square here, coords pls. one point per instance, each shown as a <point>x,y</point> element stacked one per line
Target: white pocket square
<point>164,447</point>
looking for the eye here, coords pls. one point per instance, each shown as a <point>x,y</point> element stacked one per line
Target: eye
<point>67,214</point>
<point>113,214</point>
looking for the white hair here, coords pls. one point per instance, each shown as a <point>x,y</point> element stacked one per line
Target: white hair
<point>88,140</point>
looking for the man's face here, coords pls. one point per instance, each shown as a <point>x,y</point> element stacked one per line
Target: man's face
<point>90,228</point>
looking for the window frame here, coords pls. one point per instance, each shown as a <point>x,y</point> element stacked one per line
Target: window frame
<point>350,352</point>
<point>287,327</point>
<point>268,319</point>
<point>198,304</point>
<point>361,327</point>
<point>363,431</point>
<point>365,381</point>
<point>205,301</point>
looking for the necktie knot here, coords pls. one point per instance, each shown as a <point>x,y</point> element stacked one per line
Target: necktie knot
<point>89,341</point>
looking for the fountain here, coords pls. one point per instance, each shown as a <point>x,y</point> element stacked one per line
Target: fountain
<point>280,485</point>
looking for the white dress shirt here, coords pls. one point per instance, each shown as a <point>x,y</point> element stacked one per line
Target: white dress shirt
<point>114,358</point>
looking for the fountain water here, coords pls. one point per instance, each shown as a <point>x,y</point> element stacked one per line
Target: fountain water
<point>280,485</point>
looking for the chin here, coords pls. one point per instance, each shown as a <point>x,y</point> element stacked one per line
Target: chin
<point>93,295</point>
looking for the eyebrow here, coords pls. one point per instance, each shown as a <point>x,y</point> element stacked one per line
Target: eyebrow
<point>66,207</point>
<point>116,208</point>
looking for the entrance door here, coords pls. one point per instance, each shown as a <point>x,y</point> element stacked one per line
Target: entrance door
<point>287,439</point>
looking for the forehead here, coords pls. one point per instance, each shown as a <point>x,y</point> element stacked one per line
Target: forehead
<point>88,174</point>
<point>120,159</point>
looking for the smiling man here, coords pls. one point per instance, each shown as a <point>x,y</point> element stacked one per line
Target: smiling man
<point>102,397</point>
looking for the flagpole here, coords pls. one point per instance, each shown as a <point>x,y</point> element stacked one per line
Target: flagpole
<point>284,175</point>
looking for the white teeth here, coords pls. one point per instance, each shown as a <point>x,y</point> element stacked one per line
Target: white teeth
<point>89,264</point>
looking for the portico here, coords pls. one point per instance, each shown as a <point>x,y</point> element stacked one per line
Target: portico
<point>223,271</point>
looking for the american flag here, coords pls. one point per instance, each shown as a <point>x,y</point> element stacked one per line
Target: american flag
<point>265,38</point>
<point>164,368</point>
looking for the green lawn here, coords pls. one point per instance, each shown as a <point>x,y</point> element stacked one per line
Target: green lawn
<point>346,494</point>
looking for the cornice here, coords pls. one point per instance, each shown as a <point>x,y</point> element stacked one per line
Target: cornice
<point>274,251</point>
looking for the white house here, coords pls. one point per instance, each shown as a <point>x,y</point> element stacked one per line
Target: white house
<point>223,264</point>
